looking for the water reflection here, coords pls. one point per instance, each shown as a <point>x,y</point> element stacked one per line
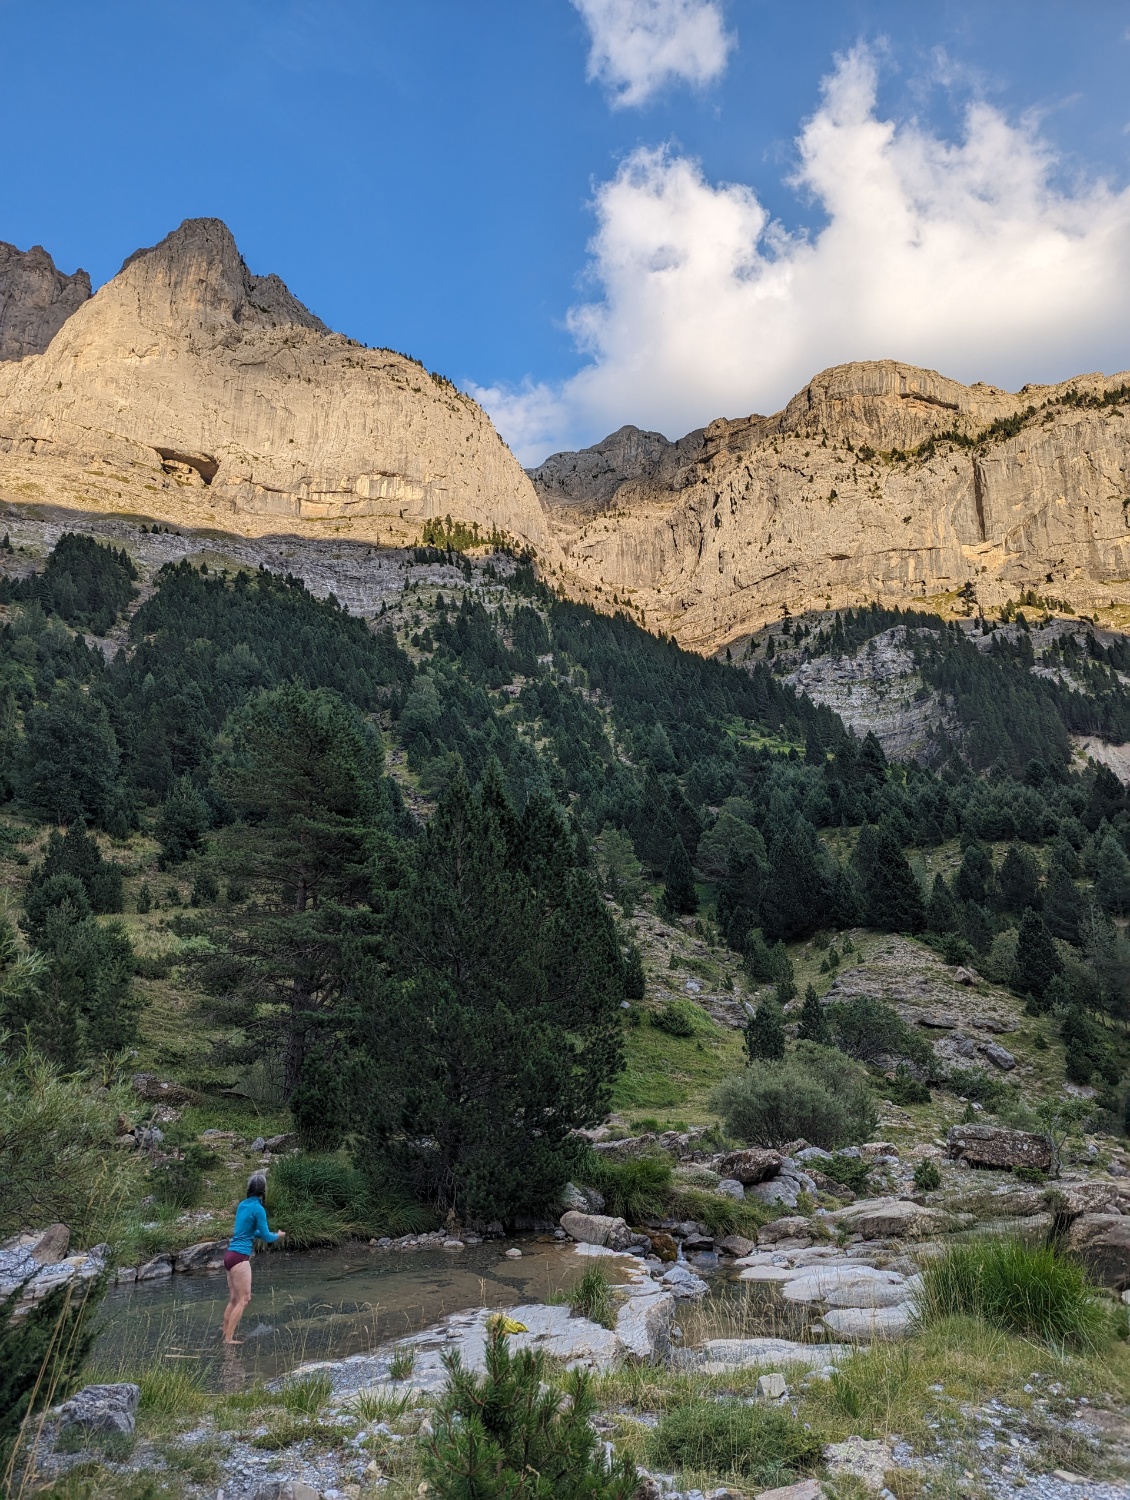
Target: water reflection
<point>322,1304</point>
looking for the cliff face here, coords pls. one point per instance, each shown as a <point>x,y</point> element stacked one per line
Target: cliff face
<point>36,299</point>
<point>877,481</point>
<point>191,390</point>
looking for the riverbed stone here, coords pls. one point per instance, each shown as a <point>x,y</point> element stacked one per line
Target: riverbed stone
<point>684,1283</point>
<point>849,1285</point>
<point>153,1270</point>
<point>887,1218</point>
<point>766,1273</point>
<point>791,1227</point>
<point>643,1321</point>
<point>772,1387</point>
<point>868,1324</point>
<point>733,1244</point>
<point>598,1229</point>
<point>110,1409</point>
<point>208,1255</point>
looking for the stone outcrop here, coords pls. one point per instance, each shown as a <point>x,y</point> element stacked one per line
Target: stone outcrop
<point>877,481</point>
<point>193,391</point>
<point>752,1166</point>
<point>992,1146</point>
<point>1102,1243</point>
<point>36,299</point>
<point>105,1409</point>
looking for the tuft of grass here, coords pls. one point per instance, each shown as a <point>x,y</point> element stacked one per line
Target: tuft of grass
<point>293,1430</point>
<point>305,1397</point>
<point>1024,1289</point>
<point>322,1199</point>
<point>762,1444</point>
<point>402,1364</point>
<point>169,1391</point>
<point>592,1296</point>
<point>719,1214</point>
<point>383,1406</point>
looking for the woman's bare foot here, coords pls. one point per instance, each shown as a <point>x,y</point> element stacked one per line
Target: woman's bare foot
<point>233,1342</point>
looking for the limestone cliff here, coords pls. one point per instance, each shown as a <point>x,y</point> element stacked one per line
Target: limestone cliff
<point>190,390</point>
<point>878,481</point>
<point>36,299</point>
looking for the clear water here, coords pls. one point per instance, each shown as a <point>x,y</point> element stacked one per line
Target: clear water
<point>320,1304</point>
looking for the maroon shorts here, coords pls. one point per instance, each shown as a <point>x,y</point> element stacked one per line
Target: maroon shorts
<point>234,1258</point>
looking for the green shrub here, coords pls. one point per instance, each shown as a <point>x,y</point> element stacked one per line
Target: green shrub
<point>816,1093</point>
<point>1028,1290</point>
<point>868,1029</point>
<point>58,1160</point>
<point>903,1088</point>
<point>178,1182</point>
<point>927,1177</point>
<point>762,1444</point>
<point>676,1018</point>
<point>852,1171</point>
<point>978,1086</point>
<point>510,1433</point>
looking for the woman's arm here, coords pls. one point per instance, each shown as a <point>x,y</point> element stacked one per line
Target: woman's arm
<point>262,1232</point>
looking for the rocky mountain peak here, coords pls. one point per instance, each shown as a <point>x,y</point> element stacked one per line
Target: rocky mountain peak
<point>36,299</point>
<point>196,281</point>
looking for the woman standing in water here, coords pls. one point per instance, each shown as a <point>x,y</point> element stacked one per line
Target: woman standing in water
<point>250,1225</point>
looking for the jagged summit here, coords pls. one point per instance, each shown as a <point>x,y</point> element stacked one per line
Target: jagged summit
<point>195,278</point>
<point>36,299</point>
<point>190,389</point>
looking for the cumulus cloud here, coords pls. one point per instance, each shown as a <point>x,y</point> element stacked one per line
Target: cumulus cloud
<point>968,256</point>
<point>638,46</point>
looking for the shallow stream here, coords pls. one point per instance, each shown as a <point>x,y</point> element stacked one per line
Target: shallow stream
<point>320,1304</point>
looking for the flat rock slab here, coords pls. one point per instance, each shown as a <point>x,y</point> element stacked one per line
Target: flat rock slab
<point>721,1355</point>
<point>868,1324</point>
<point>888,1218</point>
<point>766,1273</point>
<point>805,1489</point>
<point>850,1286</point>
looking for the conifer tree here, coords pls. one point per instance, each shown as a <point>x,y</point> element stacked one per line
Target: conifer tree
<point>974,879</point>
<point>889,893</point>
<point>680,898</point>
<point>1037,962</point>
<point>1112,876</point>
<point>1018,881</point>
<point>1063,906</point>
<point>813,1022</point>
<point>511,1434</point>
<point>635,983</point>
<point>765,1032</point>
<point>942,911</point>
<point>182,822</point>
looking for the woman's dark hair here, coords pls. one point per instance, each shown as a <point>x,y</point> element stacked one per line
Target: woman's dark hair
<point>257,1186</point>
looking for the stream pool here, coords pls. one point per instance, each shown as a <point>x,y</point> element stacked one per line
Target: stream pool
<point>320,1304</point>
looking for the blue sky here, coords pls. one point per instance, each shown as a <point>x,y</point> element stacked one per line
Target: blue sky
<point>430,175</point>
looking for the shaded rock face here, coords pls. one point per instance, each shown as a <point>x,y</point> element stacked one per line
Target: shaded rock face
<point>212,395</point>
<point>36,299</point>
<point>991,1146</point>
<point>752,1166</point>
<point>1102,1243</point>
<point>816,507</point>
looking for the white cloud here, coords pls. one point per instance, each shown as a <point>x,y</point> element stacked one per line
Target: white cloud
<point>966,256</point>
<point>638,46</point>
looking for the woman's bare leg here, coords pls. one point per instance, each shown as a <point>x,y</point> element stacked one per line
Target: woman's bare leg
<point>239,1295</point>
